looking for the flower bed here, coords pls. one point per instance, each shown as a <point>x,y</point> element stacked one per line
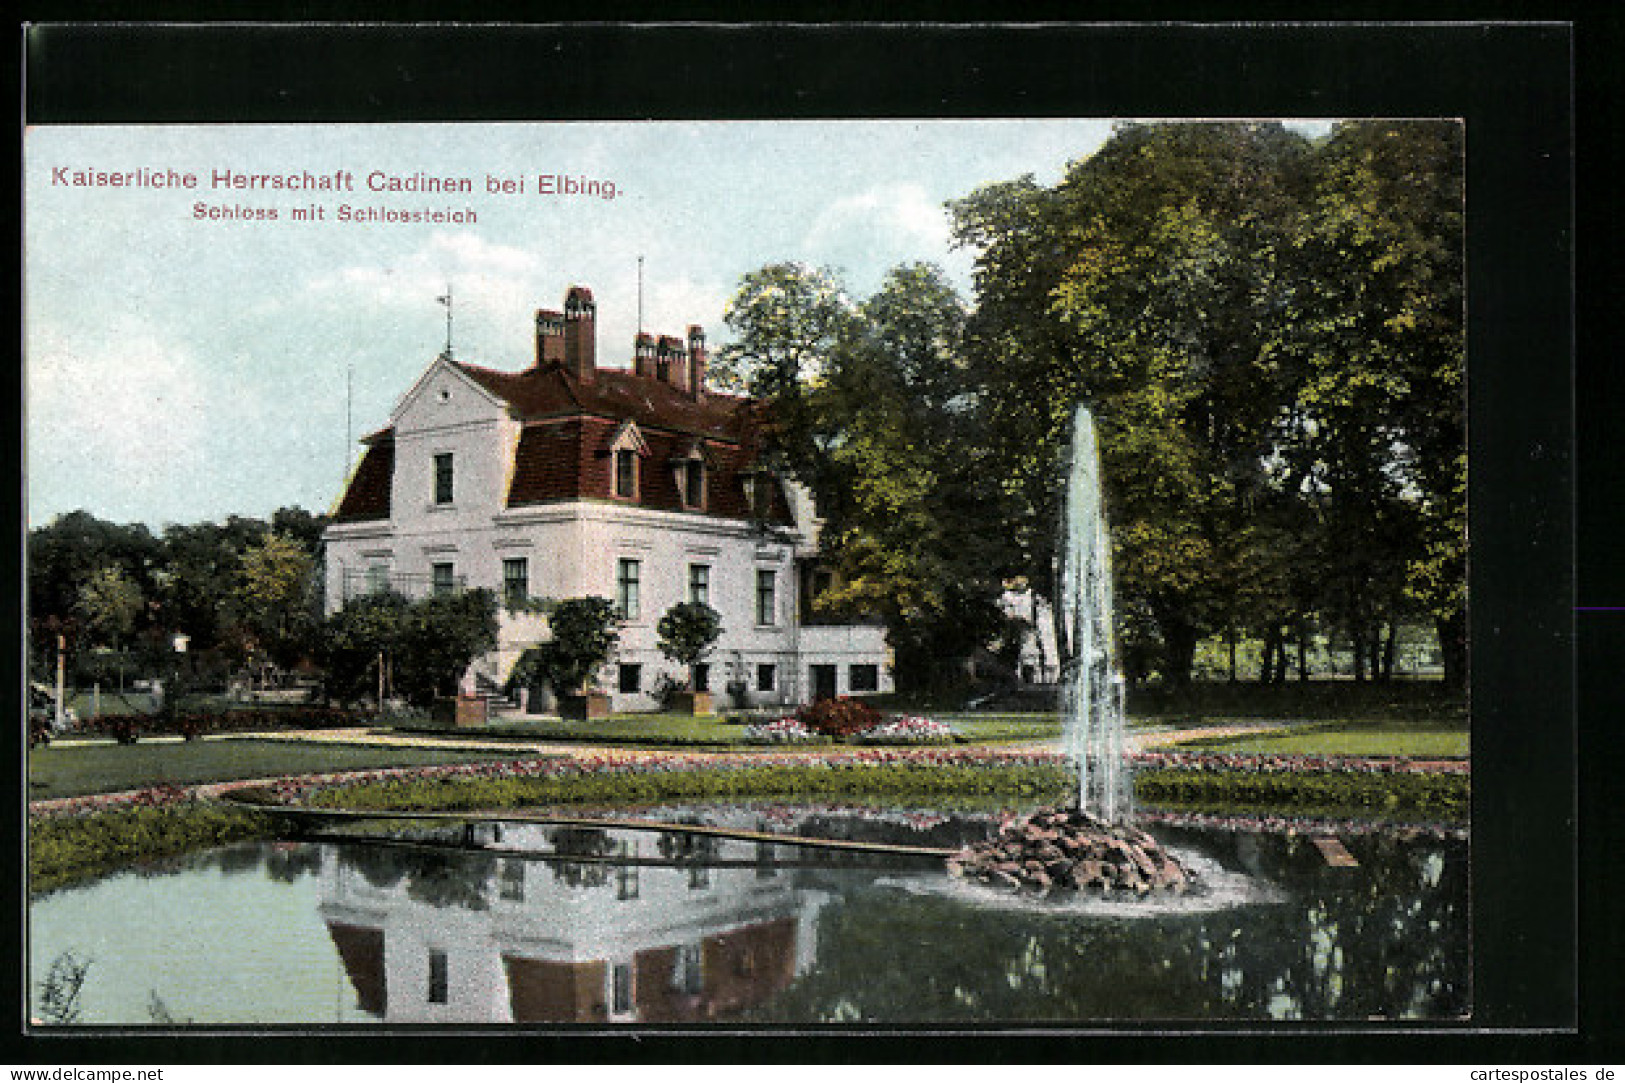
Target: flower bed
<point>908,730</point>
<point>1273,764</point>
<point>780,731</point>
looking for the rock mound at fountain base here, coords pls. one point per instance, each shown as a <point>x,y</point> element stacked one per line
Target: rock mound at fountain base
<point>1068,850</point>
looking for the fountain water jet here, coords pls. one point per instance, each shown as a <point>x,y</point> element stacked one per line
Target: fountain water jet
<point>1093,708</point>
<point>1093,846</point>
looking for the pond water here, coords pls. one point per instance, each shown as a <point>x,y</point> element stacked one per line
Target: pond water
<point>547,925</point>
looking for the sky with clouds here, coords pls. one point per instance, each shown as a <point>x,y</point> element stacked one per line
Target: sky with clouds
<point>180,369</point>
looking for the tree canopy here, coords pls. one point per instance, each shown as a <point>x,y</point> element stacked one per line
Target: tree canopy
<point>1269,330</point>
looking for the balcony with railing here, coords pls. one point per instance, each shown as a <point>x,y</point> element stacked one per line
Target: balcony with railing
<point>364,582</point>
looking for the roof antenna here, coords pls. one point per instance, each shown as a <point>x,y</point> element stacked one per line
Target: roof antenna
<point>349,429</point>
<point>445,299</point>
<point>640,294</point>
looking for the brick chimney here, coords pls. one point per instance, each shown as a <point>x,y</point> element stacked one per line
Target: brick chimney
<point>696,361</point>
<point>670,363</point>
<point>643,355</point>
<point>580,334</point>
<point>549,337</point>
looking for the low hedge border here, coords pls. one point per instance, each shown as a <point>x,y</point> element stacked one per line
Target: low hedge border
<point>90,836</point>
<point>1441,795</point>
<point>63,850</point>
<point>1375,788</point>
<point>128,728</point>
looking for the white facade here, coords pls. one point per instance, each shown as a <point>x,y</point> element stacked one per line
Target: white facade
<point>468,536</point>
<point>641,941</point>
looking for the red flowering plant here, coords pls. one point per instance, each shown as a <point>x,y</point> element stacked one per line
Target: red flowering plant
<point>838,717</point>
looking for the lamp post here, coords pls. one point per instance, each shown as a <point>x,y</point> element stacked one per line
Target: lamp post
<point>60,720</point>
<point>172,694</point>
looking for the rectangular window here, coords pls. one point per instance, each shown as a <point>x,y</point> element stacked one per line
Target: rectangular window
<point>767,596</point>
<point>766,857</point>
<point>437,977</point>
<point>687,975</point>
<point>626,875</point>
<point>513,880</point>
<point>823,681</point>
<point>378,579</point>
<point>699,584</point>
<point>443,578</point>
<point>626,474</point>
<point>631,677</point>
<point>443,475</point>
<point>621,989</point>
<point>626,589</point>
<point>863,678</point>
<point>766,676</point>
<point>694,483</point>
<point>515,581</point>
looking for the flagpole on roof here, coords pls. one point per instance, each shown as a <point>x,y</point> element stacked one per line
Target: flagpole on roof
<point>445,299</point>
<point>640,294</point>
<point>349,402</point>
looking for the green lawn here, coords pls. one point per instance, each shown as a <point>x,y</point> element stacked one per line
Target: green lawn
<point>108,768</point>
<point>1349,739</point>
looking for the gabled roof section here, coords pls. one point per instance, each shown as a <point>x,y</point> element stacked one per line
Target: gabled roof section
<point>689,448</point>
<point>628,437</point>
<point>367,496</point>
<point>550,391</point>
<point>458,371</point>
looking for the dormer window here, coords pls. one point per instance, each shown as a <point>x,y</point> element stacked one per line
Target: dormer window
<point>690,470</point>
<point>758,485</point>
<point>626,474</point>
<point>625,449</point>
<point>694,483</point>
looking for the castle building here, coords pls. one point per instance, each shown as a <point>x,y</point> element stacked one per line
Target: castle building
<point>640,484</point>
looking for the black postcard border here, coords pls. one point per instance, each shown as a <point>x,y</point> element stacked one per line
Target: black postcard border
<point>1514,85</point>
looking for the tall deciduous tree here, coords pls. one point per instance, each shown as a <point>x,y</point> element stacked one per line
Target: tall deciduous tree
<point>109,603</point>
<point>1382,422</point>
<point>785,320</point>
<point>912,534</point>
<point>276,595</point>
<point>1146,286</point>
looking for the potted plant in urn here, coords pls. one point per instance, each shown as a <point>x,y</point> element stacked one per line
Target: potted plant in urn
<point>585,631</point>
<point>687,633</point>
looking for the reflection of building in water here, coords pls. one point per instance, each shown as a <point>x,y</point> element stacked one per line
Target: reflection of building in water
<point>524,940</point>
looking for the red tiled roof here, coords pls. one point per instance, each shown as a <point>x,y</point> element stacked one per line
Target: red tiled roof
<point>543,991</point>
<point>368,494</point>
<point>564,447</point>
<point>549,391</point>
<point>570,459</point>
<point>362,951</point>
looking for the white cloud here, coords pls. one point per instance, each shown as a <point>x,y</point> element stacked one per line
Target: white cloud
<point>899,217</point>
<point>495,276</point>
<point>118,404</point>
